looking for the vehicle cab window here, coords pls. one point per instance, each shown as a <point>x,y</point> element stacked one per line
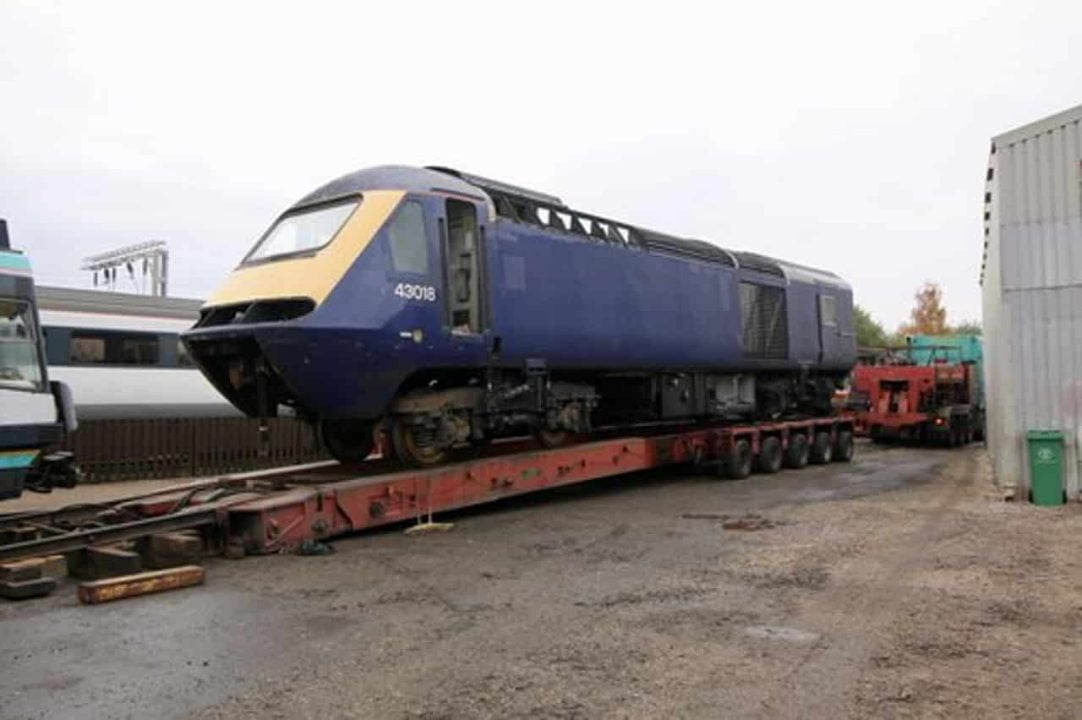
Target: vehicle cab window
<point>828,310</point>
<point>407,239</point>
<point>20,362</point>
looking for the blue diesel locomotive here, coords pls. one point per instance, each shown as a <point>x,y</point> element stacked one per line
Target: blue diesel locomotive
<point>448,309</point>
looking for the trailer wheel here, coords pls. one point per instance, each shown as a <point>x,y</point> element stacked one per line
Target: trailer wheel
<point>738,464</point>
<point>822,449</point>
<point>843,446</point>
<point>769,460</point>
<point>796,455</point>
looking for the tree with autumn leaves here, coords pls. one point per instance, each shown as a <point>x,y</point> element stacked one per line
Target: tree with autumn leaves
<point>928,317</point>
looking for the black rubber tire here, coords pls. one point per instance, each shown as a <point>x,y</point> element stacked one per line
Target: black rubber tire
<point>347,441</point>
<point>408,452</point>
<point>844,446</point>
<point>770,456</point>
<point>796,455</point>
<point>822,449</point>
<point>738,464</point>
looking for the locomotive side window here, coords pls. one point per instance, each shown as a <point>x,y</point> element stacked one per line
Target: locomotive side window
<point>409,246</point>
<point>763,321</point>
<point>828,310</point>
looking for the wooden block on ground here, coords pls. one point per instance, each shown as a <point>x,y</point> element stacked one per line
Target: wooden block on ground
<point>100,591</point>
<point>54,566</point>
<point>171,549</point>
<point>23,589</point>
<point>95,563</point>
<point>21,570</point>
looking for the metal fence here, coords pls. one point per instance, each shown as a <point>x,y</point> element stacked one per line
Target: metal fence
<point>177,447</point>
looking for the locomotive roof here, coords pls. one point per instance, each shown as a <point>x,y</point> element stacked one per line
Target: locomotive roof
<point>116,303</point>
<point>523,205</point>
<point>389,177</point>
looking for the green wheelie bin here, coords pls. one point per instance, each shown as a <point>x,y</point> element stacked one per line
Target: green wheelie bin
<point>1046,466</point>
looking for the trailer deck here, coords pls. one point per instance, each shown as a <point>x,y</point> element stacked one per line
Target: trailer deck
<point>275,511</point>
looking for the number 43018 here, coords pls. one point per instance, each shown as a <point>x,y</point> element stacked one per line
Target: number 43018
<point>426,293</point>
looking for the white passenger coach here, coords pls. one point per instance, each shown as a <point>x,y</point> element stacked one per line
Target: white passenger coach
<point>121,356</point>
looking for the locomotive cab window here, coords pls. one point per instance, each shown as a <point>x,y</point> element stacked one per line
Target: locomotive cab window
<point>303,232</point>
<point>407,240</point>
<point>828,310</point>
<point>20,362</point>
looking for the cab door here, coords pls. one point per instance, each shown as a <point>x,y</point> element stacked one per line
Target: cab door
<point>835,337</point>
<point>465,295</point>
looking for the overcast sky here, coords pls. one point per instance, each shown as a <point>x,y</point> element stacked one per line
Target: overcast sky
<point>849,136</point>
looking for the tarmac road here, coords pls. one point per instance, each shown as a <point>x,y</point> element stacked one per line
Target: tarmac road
<point>900,585</point>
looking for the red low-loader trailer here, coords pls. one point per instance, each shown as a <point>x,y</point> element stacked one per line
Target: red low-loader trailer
<point>278,510</point>
<point>928,404</point>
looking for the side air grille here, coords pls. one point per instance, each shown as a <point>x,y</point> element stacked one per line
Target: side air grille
<point>685,247</point>
<point>763,321</point>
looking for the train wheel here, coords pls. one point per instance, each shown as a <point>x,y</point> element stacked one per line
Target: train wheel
<point>738,464</point>
<point>551,438</point>
<point>822,449</point>
<point>769,460</point>
<point>843,446</point>
<point>414,445</point>
<point>346,440</point>
<point>796,455</point>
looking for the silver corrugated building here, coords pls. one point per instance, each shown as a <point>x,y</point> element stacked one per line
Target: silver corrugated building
<point>1031,278</point>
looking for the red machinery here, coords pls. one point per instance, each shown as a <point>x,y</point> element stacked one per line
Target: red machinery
<point>933,403</point>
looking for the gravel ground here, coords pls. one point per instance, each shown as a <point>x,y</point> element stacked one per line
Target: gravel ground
<point>898,586</point>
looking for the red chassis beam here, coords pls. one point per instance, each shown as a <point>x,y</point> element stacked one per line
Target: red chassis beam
<point>282,520</point>
<point>893,420</point>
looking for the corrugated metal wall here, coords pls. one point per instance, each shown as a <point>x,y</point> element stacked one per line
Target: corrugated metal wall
<point>1032,286</point>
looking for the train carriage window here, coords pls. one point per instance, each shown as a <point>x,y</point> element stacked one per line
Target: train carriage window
<point>87,350</point>
<point>183,358</point>
<point>763,321</point>
<point>97,347</point>
<point>409,245</point>
<point>828,310</point>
